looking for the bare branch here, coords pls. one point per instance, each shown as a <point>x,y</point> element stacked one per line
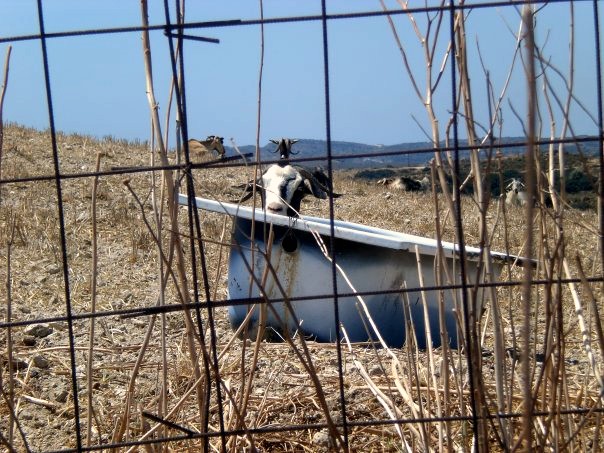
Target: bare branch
<point>2,94</point>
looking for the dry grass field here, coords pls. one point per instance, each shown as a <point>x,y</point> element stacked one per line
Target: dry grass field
<point>129,364</point>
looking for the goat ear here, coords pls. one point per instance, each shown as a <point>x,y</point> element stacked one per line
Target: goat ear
<point>294,140</point>
<point>276,142</point>
<point>313,188</point>
<point>314,185</point>
<point>248,188</point>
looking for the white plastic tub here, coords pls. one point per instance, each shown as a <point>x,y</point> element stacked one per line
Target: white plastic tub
<point>373,260</point>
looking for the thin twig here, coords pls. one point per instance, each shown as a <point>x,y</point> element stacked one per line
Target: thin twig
<point>93,291</point>
<point>2,94</point>
<point>9,334</point>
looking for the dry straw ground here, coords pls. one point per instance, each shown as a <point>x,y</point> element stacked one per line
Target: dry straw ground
<point>281,392</point>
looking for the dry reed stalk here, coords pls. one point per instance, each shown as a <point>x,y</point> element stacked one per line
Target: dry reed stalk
<point>239,415</point>
<point>431,85</point>
<point>391,409</point>
<point>15,410</point>
<point>93,292</point>
<point>156,202</point>
<point>173,84</point>
<point>302,353</point>
<point>566,112</point>
<point>247,390</point>
<point>559,205</point>
<point>243,391</point>
<point>501,369</point>
<point>162,277</point>
<point>430,350</point>
<point>202,391</point>
<point>175,244</point>
<point>440,268</point>
<point>177,406</point>
<point>258,123</point>
<point>121,429</point>
<point>526,437</point>
<point>158,211</point>
<point>413,378</point>
<point>2,94</point>
<point>167,262</point>
<point>221,249</point>
<point>596,314</point>
<point>10,398</point>
<point>553,319</point>
<point>396,365</point>
<point>585,334</point>
<point>555,261</point>
<point>486,263</point>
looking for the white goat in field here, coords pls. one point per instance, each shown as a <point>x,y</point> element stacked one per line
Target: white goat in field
<point>515,195</point>
<point>282,188</point>
<point>425,183</point>
<point>405,183</point>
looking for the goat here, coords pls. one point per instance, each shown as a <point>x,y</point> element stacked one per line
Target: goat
<point>425,183</point>
<point>211,147</point>
<point>515,195</point>
<point>284,147</point>
<point>384,181</point>
<point>404,183</point>
<point>282,188</point>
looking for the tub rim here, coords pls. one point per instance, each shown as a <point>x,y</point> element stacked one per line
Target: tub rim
<point>351,231</point>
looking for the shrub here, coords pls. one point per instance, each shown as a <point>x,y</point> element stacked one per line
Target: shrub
<point>577,181</point>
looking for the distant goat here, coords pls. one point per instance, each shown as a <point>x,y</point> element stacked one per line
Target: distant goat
<point>282,188</point>
<point>515,195</point>
<point>425,183</point>
<point>284,147</point>
<point>404,183</point>
<point>211,147</point>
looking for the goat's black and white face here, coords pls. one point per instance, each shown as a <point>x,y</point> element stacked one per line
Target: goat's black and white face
<point>284,147</point>
<point>282,188</point>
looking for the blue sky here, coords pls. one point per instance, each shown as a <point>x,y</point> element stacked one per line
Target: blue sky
<point>98,83</point>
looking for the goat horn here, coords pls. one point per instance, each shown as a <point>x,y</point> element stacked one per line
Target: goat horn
<point>246,196</point>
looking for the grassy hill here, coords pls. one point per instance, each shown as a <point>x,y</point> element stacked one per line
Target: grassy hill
<point>143,349</point>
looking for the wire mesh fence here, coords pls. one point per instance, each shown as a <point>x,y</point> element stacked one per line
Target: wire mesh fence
<point>183,294</point>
